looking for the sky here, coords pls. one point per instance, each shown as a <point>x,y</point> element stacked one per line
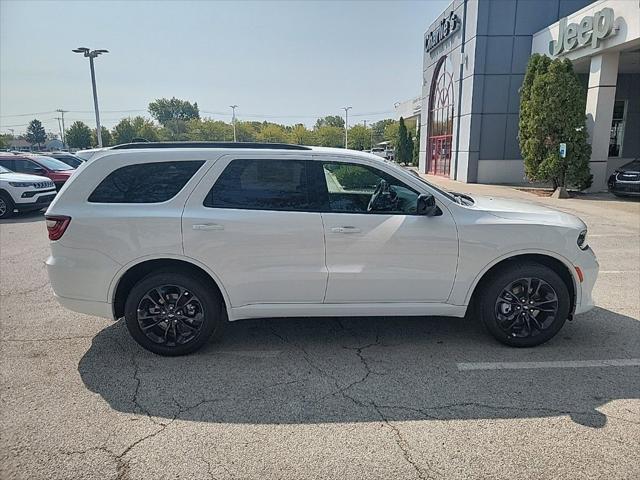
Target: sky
<point>288,62</point>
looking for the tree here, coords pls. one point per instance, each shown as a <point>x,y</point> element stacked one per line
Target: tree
<point>169,112</point>
<point>359,138</point>
<point>552,106</point>
<point>416,148</point>
<point>404,146</point>
<point>209,130</point>
<point>36,133</point>
<point>378,129</point>
<point>5,140</point>
<point>145,128</point>
<point>274,133</point>
<point>330,136</point>
<point>78,135</point>
<point>300,135</point>
<point>330,121</point>
<point>106,137</point>
<point>391,133</point>
<point>124,131</point>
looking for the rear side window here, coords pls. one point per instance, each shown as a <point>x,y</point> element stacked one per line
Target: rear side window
<point>262,184</point>
<point>145,182</point>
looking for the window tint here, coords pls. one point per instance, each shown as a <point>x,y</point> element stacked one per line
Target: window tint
<point>262,185</point>
<point>351,187</point>
<point>7,163</point>
<point>144,182</point>
<point>27,166</point>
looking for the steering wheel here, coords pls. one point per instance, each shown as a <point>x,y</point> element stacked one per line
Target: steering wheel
<point>384,192</point>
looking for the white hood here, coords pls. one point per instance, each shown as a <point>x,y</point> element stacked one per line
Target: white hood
<point>22,177</point>
<point>527,211</point>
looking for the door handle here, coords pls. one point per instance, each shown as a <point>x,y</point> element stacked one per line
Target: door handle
<point>345,229</point>
<point>208,226</point>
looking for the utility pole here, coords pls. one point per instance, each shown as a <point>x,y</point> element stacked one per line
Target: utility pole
<point>62,112</point>
<point>346,125</point>
<point>233,121</point>
<point>91,54</point>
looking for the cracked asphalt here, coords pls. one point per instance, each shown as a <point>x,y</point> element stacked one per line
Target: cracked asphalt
<point>348,398</point>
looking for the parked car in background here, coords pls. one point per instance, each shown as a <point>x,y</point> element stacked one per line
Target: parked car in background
<point>180,238</point>
<point>57,171</point>
<point>625,181</point>
<point>69,158</point>
<point>88,154</point>
<point>22,192</point>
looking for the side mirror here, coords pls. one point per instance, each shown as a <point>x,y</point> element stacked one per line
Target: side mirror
<point>39,171</point>
<point>426,205</point>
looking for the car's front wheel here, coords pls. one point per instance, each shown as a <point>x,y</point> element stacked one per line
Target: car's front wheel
<point>6,205</point>
<point>173,313</point>
<point>524,305</point>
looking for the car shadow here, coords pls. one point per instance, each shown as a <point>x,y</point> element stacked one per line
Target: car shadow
<point>25,217</point>
<point>319,370</point>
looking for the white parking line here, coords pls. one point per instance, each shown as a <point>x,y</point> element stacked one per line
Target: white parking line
<point>619,271</point>
<point>621,362</point>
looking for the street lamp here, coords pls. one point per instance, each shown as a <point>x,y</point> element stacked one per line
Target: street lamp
<point>346,125</point>
<point>91,54</point>
<point>233,121</point>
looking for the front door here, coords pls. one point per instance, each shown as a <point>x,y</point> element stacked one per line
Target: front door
<point>384,252</point>
<point>249,221</point>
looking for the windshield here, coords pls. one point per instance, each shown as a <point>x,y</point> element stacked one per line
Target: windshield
<point>4,170</point>
<point>52,163</point>
<point>634,165</point>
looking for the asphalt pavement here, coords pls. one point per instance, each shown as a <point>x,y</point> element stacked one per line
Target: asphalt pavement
<point>347,398</point>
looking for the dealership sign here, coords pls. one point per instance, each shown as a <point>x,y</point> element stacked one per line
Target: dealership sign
<point>590,30</point>
<point>446,27</point>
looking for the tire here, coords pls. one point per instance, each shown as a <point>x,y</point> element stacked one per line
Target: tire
<point>204,312</point>
<point>6,205</point>
<point>521,314</point>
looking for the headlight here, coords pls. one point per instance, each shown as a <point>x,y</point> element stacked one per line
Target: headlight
<point>21,184</point>
<point>582,240</point>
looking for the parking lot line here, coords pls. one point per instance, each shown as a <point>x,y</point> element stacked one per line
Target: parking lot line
<point>619,362</point>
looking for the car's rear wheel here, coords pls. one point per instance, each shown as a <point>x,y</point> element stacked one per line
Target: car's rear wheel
<point>6,205</point>
<point>524,305</point>
<point>173,313</point>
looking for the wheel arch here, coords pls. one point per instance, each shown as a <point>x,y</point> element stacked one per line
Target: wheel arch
<point>558,264</point>
<point>138,269</point>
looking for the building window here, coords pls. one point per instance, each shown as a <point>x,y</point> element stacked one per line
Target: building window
<point>440,128</point>
<point>617,128</point>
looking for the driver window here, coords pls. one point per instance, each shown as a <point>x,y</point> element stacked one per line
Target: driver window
<point>355,188</point>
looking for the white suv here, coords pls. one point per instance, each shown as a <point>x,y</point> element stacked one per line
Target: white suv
<point>23,192</point>
<point>180,238</point>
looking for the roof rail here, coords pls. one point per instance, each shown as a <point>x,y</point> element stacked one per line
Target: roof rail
<point>250,145</point>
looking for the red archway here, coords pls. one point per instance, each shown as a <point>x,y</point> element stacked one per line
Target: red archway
<point>440,128</point>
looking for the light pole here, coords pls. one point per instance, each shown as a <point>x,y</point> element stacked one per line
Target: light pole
<point>233,121</point>
<point>346,125</point>
<point>91,54</point>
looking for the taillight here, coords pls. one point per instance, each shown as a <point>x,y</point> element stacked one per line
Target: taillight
<point>57,225</point>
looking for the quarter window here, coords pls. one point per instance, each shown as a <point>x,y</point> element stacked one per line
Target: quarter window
<point>262,184</point>
<point>351,188</point>
<point>145,182</point>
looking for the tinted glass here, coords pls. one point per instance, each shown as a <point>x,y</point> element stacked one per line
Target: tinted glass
<point>351,187</point>
<point>145,182</point>
<point>27,166</point>
<point>7,163</point>
<point>262,185</point>
<point>52,164</point>
<point>69,160</point>
<point>4,170</point>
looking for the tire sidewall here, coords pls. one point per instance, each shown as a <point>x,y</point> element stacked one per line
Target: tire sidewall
<point>214,312</point>
<point>501,280</point>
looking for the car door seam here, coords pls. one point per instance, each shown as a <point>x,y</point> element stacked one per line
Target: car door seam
<point>324,241</point>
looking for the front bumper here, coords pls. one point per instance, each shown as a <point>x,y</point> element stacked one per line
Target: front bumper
<point>589,266</point>
<point>40,202</point>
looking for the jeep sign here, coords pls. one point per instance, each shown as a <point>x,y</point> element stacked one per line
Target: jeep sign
<point>447,26</point>
<point>591,29</point>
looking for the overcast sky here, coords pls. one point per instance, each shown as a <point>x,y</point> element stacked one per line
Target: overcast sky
<point>283,61</point>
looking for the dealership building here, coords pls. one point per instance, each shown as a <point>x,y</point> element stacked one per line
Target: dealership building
<point>475,58</point>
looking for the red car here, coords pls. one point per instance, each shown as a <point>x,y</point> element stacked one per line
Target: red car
<point>57,171</point>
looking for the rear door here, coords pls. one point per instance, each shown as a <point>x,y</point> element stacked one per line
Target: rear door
<point>387,255</point>
<point>253,221</point>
